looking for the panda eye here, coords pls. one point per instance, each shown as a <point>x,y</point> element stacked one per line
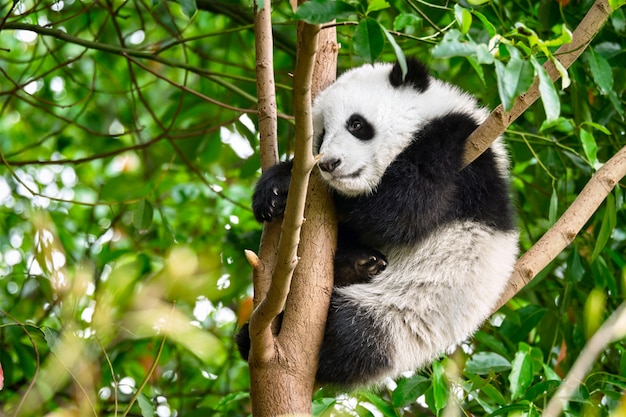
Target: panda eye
<point>359,127</point>
<point>355,125</point>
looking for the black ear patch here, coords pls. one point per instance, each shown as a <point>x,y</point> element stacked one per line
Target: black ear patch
<point>417,75</point>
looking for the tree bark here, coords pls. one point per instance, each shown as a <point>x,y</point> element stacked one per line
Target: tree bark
<point>283,366</point>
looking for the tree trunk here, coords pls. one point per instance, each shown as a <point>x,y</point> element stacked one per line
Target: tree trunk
<point>283,366</point>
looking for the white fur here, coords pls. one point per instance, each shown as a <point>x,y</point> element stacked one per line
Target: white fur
<point>367,91</point>
<point>436,294</point>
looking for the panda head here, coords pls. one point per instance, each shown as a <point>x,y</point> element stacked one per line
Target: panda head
<point>366,118</point>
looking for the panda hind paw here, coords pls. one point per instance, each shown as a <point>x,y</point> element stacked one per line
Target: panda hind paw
<point>371,265</point>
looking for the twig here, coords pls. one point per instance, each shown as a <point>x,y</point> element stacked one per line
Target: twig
<point>612,329</point>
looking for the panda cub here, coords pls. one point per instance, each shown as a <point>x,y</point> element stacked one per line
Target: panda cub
<point>425,248</point>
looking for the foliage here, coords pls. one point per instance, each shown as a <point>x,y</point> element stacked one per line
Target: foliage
<point>128,131</point>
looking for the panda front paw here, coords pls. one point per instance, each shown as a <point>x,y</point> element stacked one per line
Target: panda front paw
<point>270,194</point>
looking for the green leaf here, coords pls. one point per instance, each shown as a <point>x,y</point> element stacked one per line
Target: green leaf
<point>491,342</point>
<point>602,74</point>
<point>321,405</point>
<point>463,18</point>
<point>477,2</point>
<point>575,270</point>
<point>486,362</point>
<point>409,389</point>
<point>451,46</point>
<point>491,29</point>
<point>521,375</point>
<point>52,338</point>
<point>440,386</point>
<point>368,40</point>
<point>514,78</point>
<point>600,71</point>
<point>565,80</point>
<point>397,50</point>
<point>382,405</point>
<point>145,405</point>
<point>188,7</point>
<point>229,399</point>
<point>143,214</point>
<point>406,20</point>
<point>549,95</point>
<point>124,187</point>
<point>321,11</point>
<point>554,206</point>
<point>606,229</point>
<point>597,126</point>
<point>589,146</point>
<point>484,386</point>
<point>616,4</point>
<point>375,5</point>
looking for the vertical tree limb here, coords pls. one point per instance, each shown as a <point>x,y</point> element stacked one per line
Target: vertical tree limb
<point>289,360</point>
<point>262,266</point>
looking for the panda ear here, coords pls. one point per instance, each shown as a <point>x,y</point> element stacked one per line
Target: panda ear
<point>417,75</point>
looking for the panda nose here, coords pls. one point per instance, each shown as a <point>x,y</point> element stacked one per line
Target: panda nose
<point>329,165</point>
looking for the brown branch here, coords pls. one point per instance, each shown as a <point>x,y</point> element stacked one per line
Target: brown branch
<point>268,133</point>
<point>266,90</point>
<point>567,227</point>
<point>286,257</point>
<point>499,120</point>
<point>290,359</point>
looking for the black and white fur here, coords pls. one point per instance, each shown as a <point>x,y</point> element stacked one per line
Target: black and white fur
<point>425,248</point>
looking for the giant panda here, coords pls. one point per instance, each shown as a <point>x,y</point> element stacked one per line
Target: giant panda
<point>426,246</point>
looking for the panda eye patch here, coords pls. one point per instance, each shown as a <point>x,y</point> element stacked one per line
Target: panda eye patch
<point>359,127</point>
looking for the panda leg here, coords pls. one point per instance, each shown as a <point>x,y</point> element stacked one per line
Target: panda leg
<point>357,346</point>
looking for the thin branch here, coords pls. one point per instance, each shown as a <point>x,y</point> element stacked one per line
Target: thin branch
<point>262,266</point>
<point>567,227</point>
<point>266,90</point>
<point>499,120</point>
<point>268,134</point>
<point>614,328</point>
<point>117,50</point>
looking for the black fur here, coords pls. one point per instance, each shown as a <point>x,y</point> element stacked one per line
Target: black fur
<point>360,128</point>
<point>345,327</point>
<point>270,193</point>
<point>423,198</point>
<point>417,75</point>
